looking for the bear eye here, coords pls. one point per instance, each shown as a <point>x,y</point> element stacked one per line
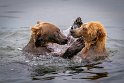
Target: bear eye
<point>84,29</point>
<point>38,35</point>
<point>58,31</point>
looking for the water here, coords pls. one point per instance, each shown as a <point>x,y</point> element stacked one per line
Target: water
<point>16,17</point>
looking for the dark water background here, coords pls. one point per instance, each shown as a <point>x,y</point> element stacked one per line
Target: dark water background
<point>16,17</point>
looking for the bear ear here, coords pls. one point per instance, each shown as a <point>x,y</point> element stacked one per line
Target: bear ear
<point>38,22</point>
<point>101,33</point>
<point>34,29</point>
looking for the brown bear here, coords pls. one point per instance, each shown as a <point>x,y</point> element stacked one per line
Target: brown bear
<point>42,34</point>
<point>94,36</point>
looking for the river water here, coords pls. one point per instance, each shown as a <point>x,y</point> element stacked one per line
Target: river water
<point>16,17</point>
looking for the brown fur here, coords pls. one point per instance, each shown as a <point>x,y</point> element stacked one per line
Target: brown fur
<point>42,34</point>
<point>94,35</point>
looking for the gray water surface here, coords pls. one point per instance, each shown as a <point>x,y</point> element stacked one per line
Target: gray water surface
<point>16,17</point>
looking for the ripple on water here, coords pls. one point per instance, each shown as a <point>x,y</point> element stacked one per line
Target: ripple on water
<point>47,67</point>
<point>50,67</point>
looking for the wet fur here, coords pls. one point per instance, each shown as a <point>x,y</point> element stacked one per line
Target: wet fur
<point>77,45</point>
<point>94,35</point>
<point>42,34</point>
